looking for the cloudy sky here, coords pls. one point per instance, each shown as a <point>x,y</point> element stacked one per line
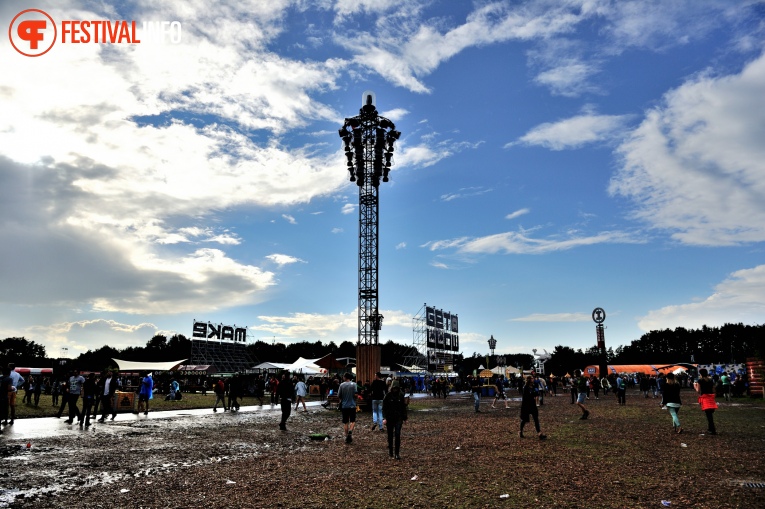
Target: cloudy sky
<point>556,156</point>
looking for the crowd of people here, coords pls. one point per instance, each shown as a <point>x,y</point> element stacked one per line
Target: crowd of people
<point>385,397</point>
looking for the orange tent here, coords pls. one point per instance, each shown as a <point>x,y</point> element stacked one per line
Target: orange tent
<point>646,369</point>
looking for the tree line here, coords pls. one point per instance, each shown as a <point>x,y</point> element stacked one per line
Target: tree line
<point>727,344</point>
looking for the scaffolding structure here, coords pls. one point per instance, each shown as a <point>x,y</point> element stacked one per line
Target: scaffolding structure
<point>419,355</point>
<point>434,339</point>
<point>226,357</point>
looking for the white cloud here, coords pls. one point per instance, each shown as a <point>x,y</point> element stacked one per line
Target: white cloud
<point>337,230</point>
<point>395,114</point>
<point>336,327</point>
<point>289,219</point>
<point>574,132</point>
<point>569,78</point>
<point>405,52</point>
<point>740,298</point>
<point>517,213</point>
<point>282,259</point>
<point>428,154</point>
<point>695,166</point>
<point>466,192</point>
<point>348,208</point>
<point>521,243</point>
<point>554,317</point>
<point>81,336</point>
<point>401,245</point>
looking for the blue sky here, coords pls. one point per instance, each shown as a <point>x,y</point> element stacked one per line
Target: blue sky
<point>556,156</point>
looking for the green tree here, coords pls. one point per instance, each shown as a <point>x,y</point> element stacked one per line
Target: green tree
<point>23,352</point>
<point>97,360</point>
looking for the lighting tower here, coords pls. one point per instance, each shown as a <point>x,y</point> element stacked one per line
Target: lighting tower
<point>492,344</point>
<point>368,140</point>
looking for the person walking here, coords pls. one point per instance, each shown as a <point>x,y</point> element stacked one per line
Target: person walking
<point>379,391</point>
<point>107,396</point>
<point>595,385</point>
<point>37,392</point>
<point>285,392</point>
<point>529,407</point>
<point>581,387</point>
<point>55,391</point>
<point>89,392</point>
<point>273,386</point>
<point>574,392</point>
<point>260,389</point>
<point>301,391</point>
<point>705,386</point>
<point>604,384</point>
<point>500,394</point>
<point>347,393</point>
<point>671,401</point>
<point>621,390</point>
<point>76,381</point>
<point>99,392</point>
<point>145,393</point>
<point>220,395</point>
<point>394,415</point>
<point>475,387</point>
<point>64,398</point>
<point>234,392</point>
<point>6,386</point>
<point>16,381</point>
<point>726,385</point>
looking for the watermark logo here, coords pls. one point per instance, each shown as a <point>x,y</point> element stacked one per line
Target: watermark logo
<point>32,32</point>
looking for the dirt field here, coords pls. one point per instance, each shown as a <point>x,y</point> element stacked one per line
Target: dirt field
<point>622,457</point>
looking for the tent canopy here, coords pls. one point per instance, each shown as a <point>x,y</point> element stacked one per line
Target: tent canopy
<point>306,367</point>
<point>646,369</point>
<point>303,366</point>
<point>34,371</point>
<point>147,366</point>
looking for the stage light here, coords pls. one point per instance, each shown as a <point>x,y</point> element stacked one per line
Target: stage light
<point>394,134</point>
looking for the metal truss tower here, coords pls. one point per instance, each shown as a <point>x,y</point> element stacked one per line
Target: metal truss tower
<point>369,140</point>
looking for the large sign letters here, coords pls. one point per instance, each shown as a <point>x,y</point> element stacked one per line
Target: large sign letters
<point>220,332</point>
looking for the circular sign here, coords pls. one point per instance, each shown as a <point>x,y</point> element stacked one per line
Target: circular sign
<point>598,315</point>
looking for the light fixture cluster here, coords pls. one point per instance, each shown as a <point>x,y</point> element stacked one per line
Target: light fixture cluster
<point>369,138</point>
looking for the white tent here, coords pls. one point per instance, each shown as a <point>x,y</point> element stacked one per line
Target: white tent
<point>147,366</point>
<point>306,367</point>
<point>303,366</point>
<point>266,366</point>
<point>504,370</point>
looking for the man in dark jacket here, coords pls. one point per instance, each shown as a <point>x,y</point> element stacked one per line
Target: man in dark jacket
<point>285,391</point>
<point>107,396</point>
<point>394,415</point>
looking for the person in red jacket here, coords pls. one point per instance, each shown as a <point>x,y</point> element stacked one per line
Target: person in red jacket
<point>706,389</point>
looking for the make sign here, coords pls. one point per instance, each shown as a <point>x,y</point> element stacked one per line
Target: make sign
<point>220,332</point>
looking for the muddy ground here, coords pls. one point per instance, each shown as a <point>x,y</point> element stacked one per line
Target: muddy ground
<point>622,457</point>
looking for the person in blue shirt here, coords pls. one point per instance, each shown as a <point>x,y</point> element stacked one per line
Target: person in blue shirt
<point>145,393</point>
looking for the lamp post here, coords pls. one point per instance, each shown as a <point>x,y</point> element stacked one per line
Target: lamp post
<point>599,316</point>
<point>369,140</point>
